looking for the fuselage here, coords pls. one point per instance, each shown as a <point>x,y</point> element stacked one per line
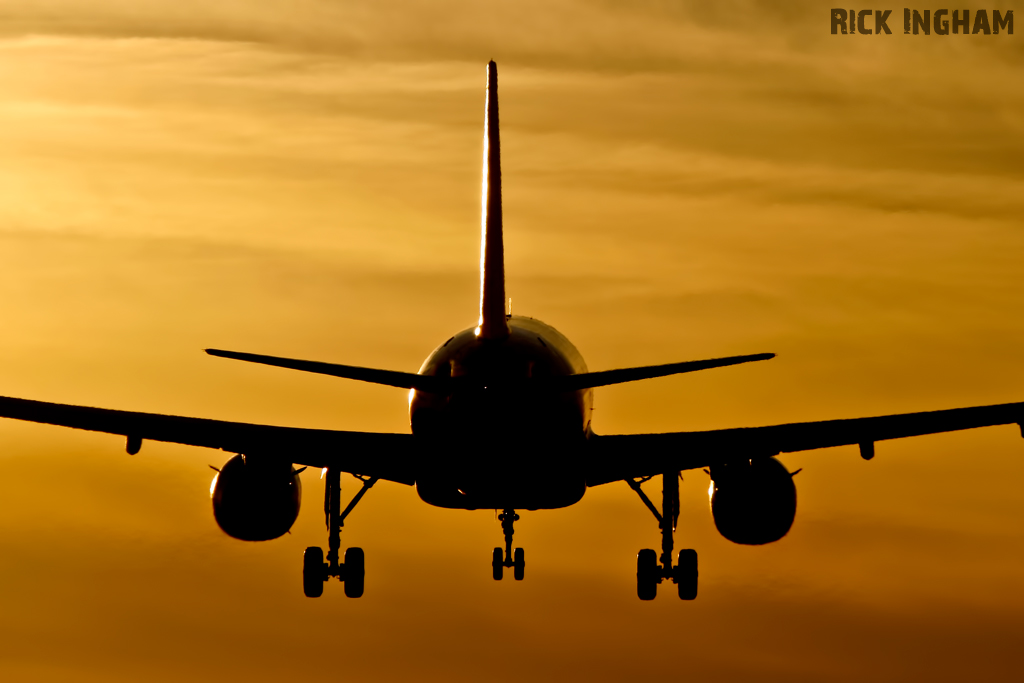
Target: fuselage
<point>499,439</point>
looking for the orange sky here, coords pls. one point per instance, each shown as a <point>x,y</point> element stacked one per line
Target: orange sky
<point>681,181</point>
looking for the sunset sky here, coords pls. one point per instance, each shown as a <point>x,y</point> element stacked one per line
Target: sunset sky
<point>682,180</point>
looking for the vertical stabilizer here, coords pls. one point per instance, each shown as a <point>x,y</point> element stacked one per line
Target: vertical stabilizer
<point>492,324</point>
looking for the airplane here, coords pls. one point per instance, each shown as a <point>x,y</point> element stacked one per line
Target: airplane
<point>500,418</point>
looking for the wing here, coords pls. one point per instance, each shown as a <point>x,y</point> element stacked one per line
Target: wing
<point>636,455</point>
<point>388,456</point>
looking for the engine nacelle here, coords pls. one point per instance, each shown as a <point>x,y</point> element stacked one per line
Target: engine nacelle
<point>256,499</point>
<point>753,502</point>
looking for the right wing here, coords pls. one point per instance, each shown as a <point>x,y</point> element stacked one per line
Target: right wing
<point>626,456</point>
<point>387,456</point>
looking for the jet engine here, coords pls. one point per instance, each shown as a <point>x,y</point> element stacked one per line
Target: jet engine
<point>753,501</point>
<point>256,499</point>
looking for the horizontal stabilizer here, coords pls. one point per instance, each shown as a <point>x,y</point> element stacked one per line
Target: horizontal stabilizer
<point>392,378</point>
<point>445,385</point>
<point>588,380</point>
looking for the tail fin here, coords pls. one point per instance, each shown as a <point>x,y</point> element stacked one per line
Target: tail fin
<point>492,324</point>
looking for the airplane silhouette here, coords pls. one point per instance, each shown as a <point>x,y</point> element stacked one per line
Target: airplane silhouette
<point>500,419</point>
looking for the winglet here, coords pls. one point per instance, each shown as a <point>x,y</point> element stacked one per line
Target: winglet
<point>493,323</point>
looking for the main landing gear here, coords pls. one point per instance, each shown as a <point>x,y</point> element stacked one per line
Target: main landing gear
<point>315,571</point>
<point>649,573</point>
<point>515,560</point>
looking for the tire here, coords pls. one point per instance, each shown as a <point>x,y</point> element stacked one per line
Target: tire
<point>686,574</point>
<point>519,564</point>
<point>646,574</point>
<point>313,575</point>
<point>497,564</point>
<point>355,570</point>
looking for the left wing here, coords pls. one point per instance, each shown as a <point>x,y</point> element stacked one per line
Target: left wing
<point>387,456</point>
<point>613,458</point>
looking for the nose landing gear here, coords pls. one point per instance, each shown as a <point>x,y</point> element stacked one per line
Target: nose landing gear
<point>316,572</point>
<point>499,559</point>
<point>649,573</point>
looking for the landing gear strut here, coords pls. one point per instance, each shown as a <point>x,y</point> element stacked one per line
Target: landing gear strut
<point>316,572</point>
<point>649,573</point>
<point>516,560</point>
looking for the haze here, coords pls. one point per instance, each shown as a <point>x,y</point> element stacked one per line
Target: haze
<point>681,181</point>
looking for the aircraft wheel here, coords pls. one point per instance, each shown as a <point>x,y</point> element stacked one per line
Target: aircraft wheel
<point>519,564</point>
<point>313,575</point>
<point>646,574</point>
<point>686,574</point>
<point>497,564</point>
<point>354,572</point>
